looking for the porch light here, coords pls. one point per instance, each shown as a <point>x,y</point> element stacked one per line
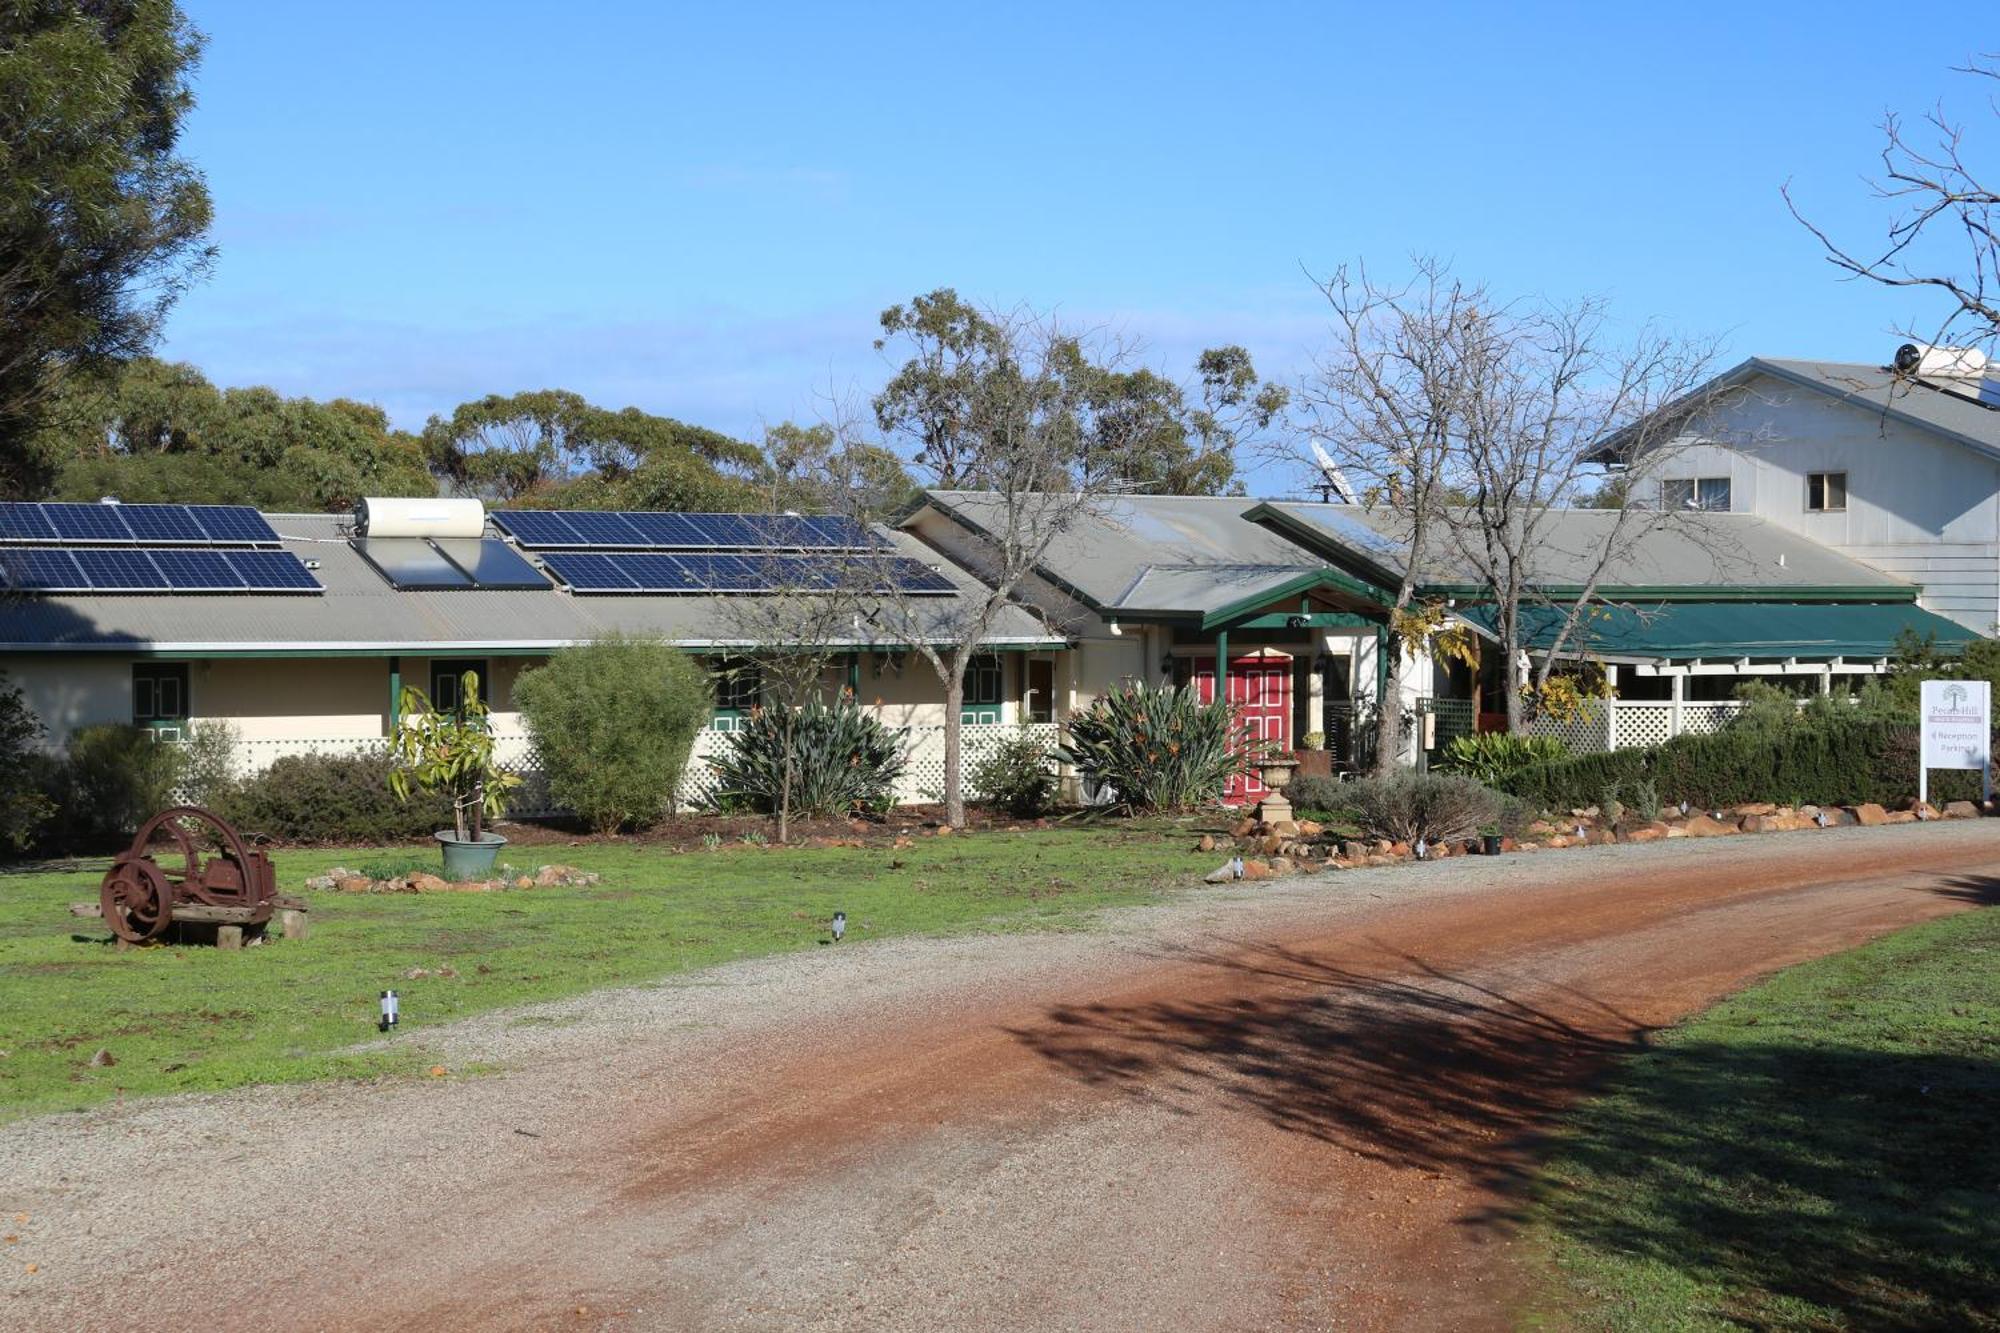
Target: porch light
<point>1115,631</point>
<point>388,1009</point>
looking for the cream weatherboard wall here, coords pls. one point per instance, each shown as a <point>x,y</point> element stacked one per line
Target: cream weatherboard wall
<point>1919,507</point>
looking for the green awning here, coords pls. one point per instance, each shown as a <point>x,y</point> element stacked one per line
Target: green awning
<point>1681,631</point>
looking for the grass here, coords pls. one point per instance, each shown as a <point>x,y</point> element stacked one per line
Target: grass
<point>186,1019</point>
<point>1821,1152</point>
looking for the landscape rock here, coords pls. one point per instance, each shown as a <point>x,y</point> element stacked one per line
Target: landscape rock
<point>320,882</point>
<point>1652,832</point>
<point>1756,808</point>
<point>1207,843</point>
<point>1285,828</point>
<point>1870,815</point>
<point>104,1059</point>
<point>354,884</point>
<point>1258,870</point>
<point>524,882</point>
<point>1961,810</point>
<point>1707,826</point>
<point>1900,817</point>
<point>1283,865</point>
<point>1308,829</point>
<point>1244,828</point>
<point>427,883</point>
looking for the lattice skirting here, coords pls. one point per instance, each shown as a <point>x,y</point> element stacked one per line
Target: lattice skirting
<point>922,779</point>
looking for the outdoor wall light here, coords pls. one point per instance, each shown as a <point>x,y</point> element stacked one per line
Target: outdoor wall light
<point>839,926</point>
<point>1422,849</point>
<point>388,1010</point>
<point>1115,631</point>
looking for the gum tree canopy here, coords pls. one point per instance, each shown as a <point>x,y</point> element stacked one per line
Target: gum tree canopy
<point>102,223</point>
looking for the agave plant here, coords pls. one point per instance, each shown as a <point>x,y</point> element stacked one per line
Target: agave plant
<point>842,760</point>
<point>1491,755</point>
<point>1159,748</point>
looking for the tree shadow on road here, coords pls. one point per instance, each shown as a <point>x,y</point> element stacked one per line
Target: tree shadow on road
<point>1813,1167</point>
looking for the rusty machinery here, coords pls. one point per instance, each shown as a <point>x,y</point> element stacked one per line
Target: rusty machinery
<point>142,898</point>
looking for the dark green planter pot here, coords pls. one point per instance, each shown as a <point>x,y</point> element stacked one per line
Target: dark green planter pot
<point>469,860</point>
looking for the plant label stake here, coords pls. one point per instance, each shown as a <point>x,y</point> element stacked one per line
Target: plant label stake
<point>388,1010</point>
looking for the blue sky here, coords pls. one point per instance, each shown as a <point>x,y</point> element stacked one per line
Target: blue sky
<point>700,210</point>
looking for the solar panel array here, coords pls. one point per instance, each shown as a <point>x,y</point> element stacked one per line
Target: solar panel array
<point>646,572</point>
<point>120,548</point>
<point>586,529</point>
<point>140,569</point>
<point>134,525</point>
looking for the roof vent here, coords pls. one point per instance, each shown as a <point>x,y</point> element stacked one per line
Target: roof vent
<point>1959,363</point>
<point>436,517</point>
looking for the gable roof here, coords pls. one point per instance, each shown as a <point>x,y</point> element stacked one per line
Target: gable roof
<point>1156,554</point>
<point>1915,401</point>
<point>359,614</point>
<point>1699,553</point>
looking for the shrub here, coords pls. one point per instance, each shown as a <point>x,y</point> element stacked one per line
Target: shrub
<point>1838,763</point>
<point>613,723</point>
<point>1437,807</point>
<point>1487,756</point>
<point>1319,795</point>
<point>843,760</point>
<point>1015,776</point>
<point>333,798</point>
<point>208,764</point>
<point>1646,799</point>
<point>1609,808</point>
<point>24,806</point>
<point>1156,747</point>
<point>110,780</point>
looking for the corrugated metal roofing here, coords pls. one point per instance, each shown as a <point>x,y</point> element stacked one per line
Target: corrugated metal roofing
<point>1158,554</point>
<point>1694,549</point>
<point>1684,631</point>
<point>361,613</point>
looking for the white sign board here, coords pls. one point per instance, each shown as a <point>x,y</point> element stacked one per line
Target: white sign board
<point>1957,726</point>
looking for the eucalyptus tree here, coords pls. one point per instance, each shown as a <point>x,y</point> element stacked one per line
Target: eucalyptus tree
<point>103,222</point>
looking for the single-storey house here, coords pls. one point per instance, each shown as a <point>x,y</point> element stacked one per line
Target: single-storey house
<point>300,630</point>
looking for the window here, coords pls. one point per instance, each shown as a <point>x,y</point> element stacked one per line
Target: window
<point>1826,491</point>
<point>983,685</point>
<point>447,675</point>
<point>1711,493</point>
<point>738,686</point>
<point>160,695</point>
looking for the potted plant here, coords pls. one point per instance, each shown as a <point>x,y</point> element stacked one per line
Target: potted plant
<point>1314,760</point>
<point>1489,839</point>
<point>451,751</point>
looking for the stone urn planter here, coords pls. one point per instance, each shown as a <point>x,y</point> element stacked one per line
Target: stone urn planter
<point>1277,770</point>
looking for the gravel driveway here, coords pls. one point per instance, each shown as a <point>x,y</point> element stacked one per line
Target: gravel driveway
<point>1299,1105</point>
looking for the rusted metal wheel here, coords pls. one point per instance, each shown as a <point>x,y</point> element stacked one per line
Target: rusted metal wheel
<point>137,900</point>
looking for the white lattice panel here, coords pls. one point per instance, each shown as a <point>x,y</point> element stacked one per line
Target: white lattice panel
<point>1640,724</point>
<point>1586,733</point>
<point>1701,719</point>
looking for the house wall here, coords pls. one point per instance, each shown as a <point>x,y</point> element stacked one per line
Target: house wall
<point>1918,507</point>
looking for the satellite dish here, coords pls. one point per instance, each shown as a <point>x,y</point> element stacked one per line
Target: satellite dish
<point>1332,483</point>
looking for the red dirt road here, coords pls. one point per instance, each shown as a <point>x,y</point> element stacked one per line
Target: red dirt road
<point>1301,1108</point>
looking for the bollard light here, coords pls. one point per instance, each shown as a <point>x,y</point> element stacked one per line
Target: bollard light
<point>839,926</point>
<point>388,1010</point>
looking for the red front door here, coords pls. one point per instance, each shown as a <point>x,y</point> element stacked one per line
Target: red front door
<point>1260,688</point>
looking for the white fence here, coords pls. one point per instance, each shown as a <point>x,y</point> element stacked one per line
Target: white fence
<point>1621,724</point>
<point>922,779</point>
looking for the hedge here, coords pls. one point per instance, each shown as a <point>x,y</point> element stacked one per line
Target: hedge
<point>1840,763</point>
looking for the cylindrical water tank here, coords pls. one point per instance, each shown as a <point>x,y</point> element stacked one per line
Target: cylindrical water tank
<point>395,516</point>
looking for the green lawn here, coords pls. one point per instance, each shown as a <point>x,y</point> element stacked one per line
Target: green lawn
<point>182,1019</point>
<point>1821,1152</point>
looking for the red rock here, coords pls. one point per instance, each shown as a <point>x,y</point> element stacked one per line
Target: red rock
<point>1706,826</point>
<point>1870,815</point>
<point>1961,810</point>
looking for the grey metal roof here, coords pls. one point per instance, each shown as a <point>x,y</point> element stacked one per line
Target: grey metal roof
<point>1925,403</point>
<point>1696,549</point>
<point>1157,554</point>
<point>361,613</point>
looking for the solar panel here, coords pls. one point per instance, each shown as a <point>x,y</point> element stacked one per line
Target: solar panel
<point>234,525</point>
<point>120,571</point>
<point>411,563</point>
<point>38,569</point>
<point>701,572</point>
<point>163,523</point>
<point>642,530</point>
<point>198,571</point>
<point>87,523</point>
<point>586,572</point>
<point>24,522</point>
<point>273,571</point>
<point>537,528</point>
<point>603,529</point>
<point>494,565</point>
